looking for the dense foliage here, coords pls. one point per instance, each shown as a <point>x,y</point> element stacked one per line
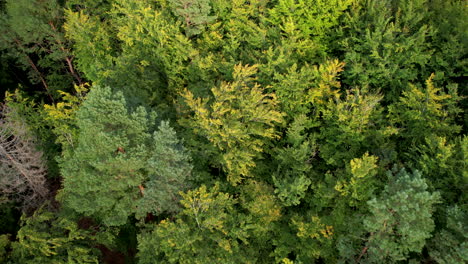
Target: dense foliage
<point>215,131</point>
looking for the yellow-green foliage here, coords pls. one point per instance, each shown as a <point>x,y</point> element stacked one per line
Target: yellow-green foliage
<point>62,117</point>
<point>4,244</point>
<point>359,186</point>
<point>424,111</point>
<point>300,89</point>
<point>136,38</point>
<point>307,22</point>
<point>238,121</point>
<point>312,17</point>
<point>200,205</point>
<point>350,124</point>
<point>208,231</point>
<point>46,237</point>
<point>309,238</point>
<point>263,207</point>
<point>276,121</point>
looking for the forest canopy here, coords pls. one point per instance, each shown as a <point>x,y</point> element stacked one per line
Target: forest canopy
<point>215,131</point>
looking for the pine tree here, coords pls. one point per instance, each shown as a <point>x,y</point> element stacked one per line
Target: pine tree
<point>168,171</point>
<point>401,218</point>
<point>449,245</point>
<point>118,160</point>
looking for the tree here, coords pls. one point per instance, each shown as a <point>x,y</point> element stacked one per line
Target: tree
<point>401,218</point>
<point>121,163</point>
<point>422,112</point>
<point>350,124</point>
<point>193,14</point>
<point>22,168</point>
<point>301,89</point>
<point>309,22</point>
<point>207,231</point>
<point>449,244</point>
<point>450,40</point>
<point>32,34</point>
<point>305,238</point>
<point>238,121</point>
<point>47,237</point>
<point>137,38</point>
<point>386,45</point>
<point>360,186</point>
<point>61,117</point>
<point>445,164</point>
<point>291,178</point>
<point>4,244</point>
<point>168,170</point>
<point>211,228</point>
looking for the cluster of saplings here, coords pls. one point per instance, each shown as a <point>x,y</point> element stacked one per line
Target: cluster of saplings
<point>216,131</point>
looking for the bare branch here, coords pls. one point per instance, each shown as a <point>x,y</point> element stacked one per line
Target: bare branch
<point>22,169</point>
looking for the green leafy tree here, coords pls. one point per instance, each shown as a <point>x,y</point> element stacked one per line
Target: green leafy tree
<point>291,178</point>
<point>422,112</point>
<point>306,238</point>
<point>338,203</point>
<point>360,186</point>
<point>307,21</point>
<point>207,231</point>
<point>445,165</point>
<point>239,34</point>
<point>386,45</point>
<point>119,158</point>
<point>351,124</point>
<point>262,214</point>
<point>238,121</point>
<point>32,34</point>
<point>450,42</point>
<point>137,38</point>
<point>299,90</point>
<point>62,118</point>
<point>4,244</point>
<point>47,237</point>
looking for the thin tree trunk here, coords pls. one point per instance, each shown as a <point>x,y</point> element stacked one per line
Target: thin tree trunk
<point>67,58</point>
<point>34,67</point>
